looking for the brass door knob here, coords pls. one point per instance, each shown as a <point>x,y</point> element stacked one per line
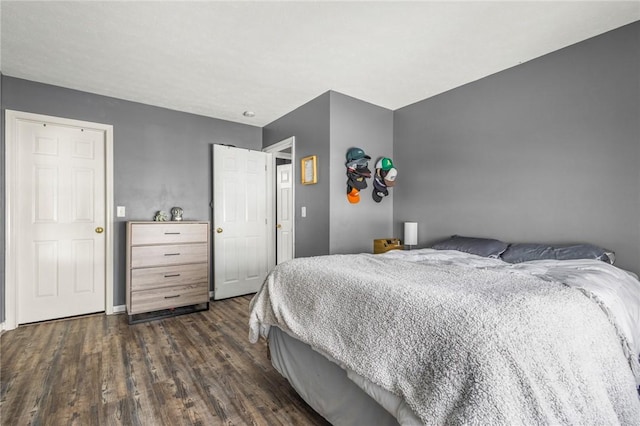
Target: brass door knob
<point>278,226</point>
<point>99,230</point>
<point>219,230</point>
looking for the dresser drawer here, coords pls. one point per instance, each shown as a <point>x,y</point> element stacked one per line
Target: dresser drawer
<point>170,233</point>
<point>170,297</point>
<point>165,255</point>
<point>149,278</point>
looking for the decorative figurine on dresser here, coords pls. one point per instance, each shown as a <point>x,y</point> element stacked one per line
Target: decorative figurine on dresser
<point>176,213</point>
<point>167,269</point>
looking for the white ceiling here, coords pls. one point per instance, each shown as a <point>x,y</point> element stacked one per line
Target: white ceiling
<point>219,59</point>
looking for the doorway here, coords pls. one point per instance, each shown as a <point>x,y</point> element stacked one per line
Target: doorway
<point>284,182</point>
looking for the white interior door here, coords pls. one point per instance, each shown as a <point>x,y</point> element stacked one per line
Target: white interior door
<point>284,213</point>
<point>60,251</point>
<point>241,220</point>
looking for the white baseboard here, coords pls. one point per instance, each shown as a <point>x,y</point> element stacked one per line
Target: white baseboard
<point>119,309</point>
<point>116,310</point>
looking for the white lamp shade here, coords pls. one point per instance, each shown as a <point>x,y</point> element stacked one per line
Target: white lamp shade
<point>410,233</point>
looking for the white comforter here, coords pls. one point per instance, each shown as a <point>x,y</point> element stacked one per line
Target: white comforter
<point>467,339</point>
<point>616,289</point>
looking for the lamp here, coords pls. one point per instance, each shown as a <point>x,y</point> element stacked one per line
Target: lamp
<point>410,234</point>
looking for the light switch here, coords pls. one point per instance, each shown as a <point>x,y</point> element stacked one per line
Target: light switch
<point>120,211</point>
<point>303,211</point>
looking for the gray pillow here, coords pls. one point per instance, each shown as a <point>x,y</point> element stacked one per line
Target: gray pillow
<point>525,252</point>
<point>479,246</point>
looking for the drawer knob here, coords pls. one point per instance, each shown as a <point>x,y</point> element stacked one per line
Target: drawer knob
<point>219,230</point>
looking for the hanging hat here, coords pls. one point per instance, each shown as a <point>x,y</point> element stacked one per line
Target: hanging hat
<point>379,195</point>
<point>379,189</point>
<point>362,171</point>
<point>356,154</point>
<point>353,196</point>
<point>389,177</point>
<point>356,181</point>
<point>384,163</point>
<point>361,162</point>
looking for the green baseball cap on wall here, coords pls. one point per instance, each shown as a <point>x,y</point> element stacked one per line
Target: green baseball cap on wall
<point>384,163</point>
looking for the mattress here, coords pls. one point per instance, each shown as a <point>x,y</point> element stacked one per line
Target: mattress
<point>326,387</point>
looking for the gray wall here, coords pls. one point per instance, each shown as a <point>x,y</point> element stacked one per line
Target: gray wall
<point>548,151</point>
<point>162,158</point>
<point>310,125</point>
<point>327,127</point>
<point>355,123</point>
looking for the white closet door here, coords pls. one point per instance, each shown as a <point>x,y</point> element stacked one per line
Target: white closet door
<point>61,200</point>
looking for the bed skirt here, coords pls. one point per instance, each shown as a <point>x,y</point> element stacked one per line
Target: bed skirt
<point>332,391</point>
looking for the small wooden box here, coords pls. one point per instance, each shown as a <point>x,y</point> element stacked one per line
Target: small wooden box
<point>385,244</point>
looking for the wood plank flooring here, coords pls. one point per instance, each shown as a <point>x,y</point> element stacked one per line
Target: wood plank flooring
<point>196,369</point>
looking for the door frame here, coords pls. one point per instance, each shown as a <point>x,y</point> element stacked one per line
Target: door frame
<point>277,150</point>
<point>11,189</point>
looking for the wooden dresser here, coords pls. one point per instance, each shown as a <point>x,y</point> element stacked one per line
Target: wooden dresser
<point>168,267</point>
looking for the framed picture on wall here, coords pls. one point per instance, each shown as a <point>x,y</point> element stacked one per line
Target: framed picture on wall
<point>309,170</point>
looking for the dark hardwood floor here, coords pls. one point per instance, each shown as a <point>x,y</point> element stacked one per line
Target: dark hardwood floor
<point>196,369</point>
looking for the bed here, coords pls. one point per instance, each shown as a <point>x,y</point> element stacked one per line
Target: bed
<point>445,336</point>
